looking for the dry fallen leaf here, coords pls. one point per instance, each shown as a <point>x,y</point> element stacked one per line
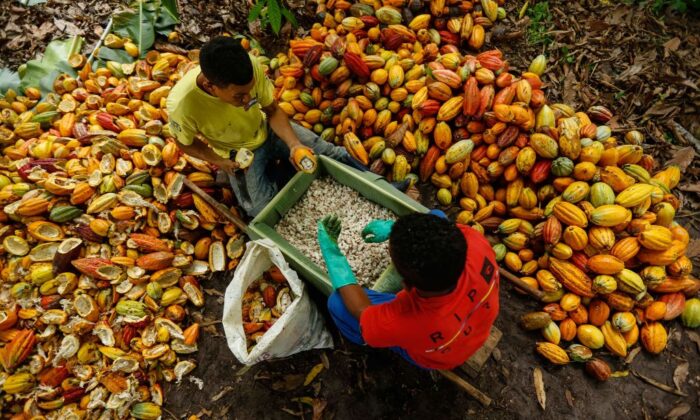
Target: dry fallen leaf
<point>313,373</point>
<point>693,249</point>
<point>204,412</point>
<point>682,157</point>
<point>678,411</point>
<point>242,371</point>
<point>288,382</point>
<point>671,45</point>
<point>292,412</point>
<point>317,404</point>
<point>569,398</point>
<point>632,354</point>
<point>413,192</point>
<point>680,375</point>
<point>539,387</point>
<point>224,411</point>
<point>325,361</point>
<point>689,187</point>
<point>213,292</point>
<point>67,27</point>
<point>695,338</point>
<point>221,393</point>
<point>659,385</point>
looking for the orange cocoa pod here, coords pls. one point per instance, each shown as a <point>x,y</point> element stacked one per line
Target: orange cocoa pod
<point>656,311</point>
<point>555,311</point>
<point>579,315</point>
<point>605,264</point>
<point>427,165</point>
<point>619,301</point>
<point>625,249</point>
<point>654,337</point>
<point>598,312</point>
<point>81,193</point>
<point>571,277</point>
<point>567,328</point>
<point>191,334</point>
<point>442,135</point>
<point>675,303</point>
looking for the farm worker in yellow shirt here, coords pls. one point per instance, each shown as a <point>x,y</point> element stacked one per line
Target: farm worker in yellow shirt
<point>227,104</point>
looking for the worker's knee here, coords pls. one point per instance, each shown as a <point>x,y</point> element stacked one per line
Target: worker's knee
<point>306,136</point>
<point>336,306</point>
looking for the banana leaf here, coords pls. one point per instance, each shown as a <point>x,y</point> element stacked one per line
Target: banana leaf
<point>143,20</point>
<point>29,3</point>
<point>8,80</point>
<point>168,16</point>
<point>42,72</point>
<point>110,54</point>
<point>137,24</point>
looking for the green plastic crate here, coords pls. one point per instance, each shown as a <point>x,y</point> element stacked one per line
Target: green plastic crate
<point>371,186</point>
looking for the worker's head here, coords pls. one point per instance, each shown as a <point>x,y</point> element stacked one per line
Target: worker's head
<point>428,251</point>
<point>228,70</point>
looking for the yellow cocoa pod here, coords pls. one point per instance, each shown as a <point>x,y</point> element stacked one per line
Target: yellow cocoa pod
<point>553,353</point>
<point>590,336</point>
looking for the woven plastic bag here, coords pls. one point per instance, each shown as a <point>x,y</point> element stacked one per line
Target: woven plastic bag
<point>300,327</point>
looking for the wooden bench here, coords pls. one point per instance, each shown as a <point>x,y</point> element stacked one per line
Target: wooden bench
<point>473,366</point>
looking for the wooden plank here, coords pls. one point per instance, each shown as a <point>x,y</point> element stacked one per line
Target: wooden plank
<point>520,283</point>
<point>467,387</point>
<point>473,366</point>
<point>217,206</point>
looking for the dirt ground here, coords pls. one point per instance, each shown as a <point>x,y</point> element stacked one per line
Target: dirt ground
<point>370,383</point>
<point>645,67</point>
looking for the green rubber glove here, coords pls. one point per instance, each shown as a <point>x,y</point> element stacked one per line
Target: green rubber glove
<point>339,269</point>
<point>377,231</point>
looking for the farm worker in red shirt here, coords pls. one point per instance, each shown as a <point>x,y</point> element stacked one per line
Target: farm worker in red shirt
<point>450,297</point>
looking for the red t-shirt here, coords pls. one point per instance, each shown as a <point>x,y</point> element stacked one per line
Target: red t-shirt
<point>441,332</point>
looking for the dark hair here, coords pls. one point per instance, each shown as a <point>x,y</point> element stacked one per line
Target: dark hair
<point>428,251</point>
<point>224,62</point>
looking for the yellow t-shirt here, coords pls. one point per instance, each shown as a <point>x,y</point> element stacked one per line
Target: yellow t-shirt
<point>226,127</point>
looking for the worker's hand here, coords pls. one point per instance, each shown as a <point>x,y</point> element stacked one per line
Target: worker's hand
<point>227,166</point>
<point>332,225</point>
<point>303,158</point>
<point>339,269</point>
<point>377,231</point>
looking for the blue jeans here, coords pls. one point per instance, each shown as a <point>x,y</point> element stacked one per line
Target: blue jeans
<point>349,326</point>
<point>254,187</point>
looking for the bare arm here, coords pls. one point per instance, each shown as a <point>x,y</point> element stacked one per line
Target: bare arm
<point>201,150</point>
<point>355,299</point>
<point>279,122</point>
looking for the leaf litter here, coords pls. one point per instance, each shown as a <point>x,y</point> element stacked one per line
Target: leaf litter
<point>539,387</point>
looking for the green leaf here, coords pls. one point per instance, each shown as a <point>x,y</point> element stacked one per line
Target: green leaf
<point>137,25</point>
<point>29,3</point>
<point>255,11</point>
<point>680,5</point>
<point>273,12</point>
<point>290,17</point>
<point>8,80</point>
<point>42,72</point>
<point>168,16</point>
<point>110,54</point>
